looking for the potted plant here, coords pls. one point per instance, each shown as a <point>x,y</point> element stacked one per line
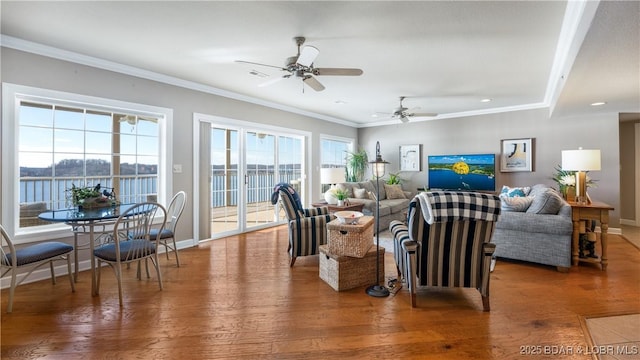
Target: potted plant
<point>566,181</point>
<point>341,195</point>
<point>357,163</point>
<point>91,197</point>
<point>393,179</point>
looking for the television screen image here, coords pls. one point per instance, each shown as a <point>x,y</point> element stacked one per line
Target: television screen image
<point>473,172</point>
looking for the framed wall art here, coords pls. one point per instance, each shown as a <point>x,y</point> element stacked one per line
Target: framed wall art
<point>410,157</point>
<point>517,155</point>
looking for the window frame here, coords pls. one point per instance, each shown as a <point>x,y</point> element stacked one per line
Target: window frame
<point>351,145</point>
<point>12,96</point>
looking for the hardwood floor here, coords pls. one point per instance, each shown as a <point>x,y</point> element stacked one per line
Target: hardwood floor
<point>237,298</point>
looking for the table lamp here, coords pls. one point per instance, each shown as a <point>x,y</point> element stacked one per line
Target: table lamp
<point>376,289</point>
<point>581,161</point>
<point>331,176</point>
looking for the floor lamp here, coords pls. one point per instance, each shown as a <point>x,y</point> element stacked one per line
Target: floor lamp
<point>378,171</point>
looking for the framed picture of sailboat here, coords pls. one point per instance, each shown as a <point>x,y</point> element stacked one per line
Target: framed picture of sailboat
<point>517,155</point>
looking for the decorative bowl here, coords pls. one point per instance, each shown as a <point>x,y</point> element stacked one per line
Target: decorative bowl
<point>348,217</point>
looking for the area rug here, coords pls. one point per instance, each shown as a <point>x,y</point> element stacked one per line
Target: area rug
<point>386,241</point>
<point>613,337</point>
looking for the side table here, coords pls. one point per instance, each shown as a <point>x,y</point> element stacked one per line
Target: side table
<point>597,211</point>
<point>334,208</point>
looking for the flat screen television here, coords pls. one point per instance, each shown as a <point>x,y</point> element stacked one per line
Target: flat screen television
<point>470,172</point>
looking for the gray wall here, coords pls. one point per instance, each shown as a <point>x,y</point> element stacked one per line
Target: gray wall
<point>33,70</point>
<point>482,134</point>
<point>476,134</point>
<point>628,179</point>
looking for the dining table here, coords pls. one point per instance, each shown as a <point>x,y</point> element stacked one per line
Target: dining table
<point>82,219</point>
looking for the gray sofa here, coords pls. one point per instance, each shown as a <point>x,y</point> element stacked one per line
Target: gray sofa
<point>538,231</point>
<point>393,204</point>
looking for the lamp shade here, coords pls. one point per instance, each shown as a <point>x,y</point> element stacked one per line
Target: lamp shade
<point>332,175</point>
<point>580,160</point>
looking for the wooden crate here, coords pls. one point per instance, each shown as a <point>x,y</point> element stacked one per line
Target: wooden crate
<point>350,239</point>
<point>347,272</point>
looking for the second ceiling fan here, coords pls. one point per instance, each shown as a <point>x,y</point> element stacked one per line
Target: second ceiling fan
<point>301,66</point>
<point>404,114</point>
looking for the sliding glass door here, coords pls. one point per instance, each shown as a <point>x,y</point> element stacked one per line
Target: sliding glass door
<point>243,164</point>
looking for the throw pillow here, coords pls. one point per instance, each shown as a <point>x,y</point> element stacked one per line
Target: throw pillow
<point>372,195</point>
<point>394,191</point>
<point>516,203</point>
<point>360,193</point>
<point>548,202</point>
<point>515,191</point>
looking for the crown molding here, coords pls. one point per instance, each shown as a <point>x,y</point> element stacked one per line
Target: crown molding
<point>575,25</point>
<point>60,54</point>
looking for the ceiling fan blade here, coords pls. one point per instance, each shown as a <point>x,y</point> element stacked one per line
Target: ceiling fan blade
<point>422,114</point>
<point>274,80</point>
<point>307,55</point>
<point>313,83</point>
<point>254,63</point>
<point>337,71</point>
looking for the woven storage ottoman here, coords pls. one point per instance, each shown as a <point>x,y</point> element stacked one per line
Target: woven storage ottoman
<point>347,272</point>
<point>350,239</point>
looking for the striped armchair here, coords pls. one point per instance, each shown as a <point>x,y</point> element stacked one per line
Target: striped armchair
<point>307,227</point>
<point>447,241</point>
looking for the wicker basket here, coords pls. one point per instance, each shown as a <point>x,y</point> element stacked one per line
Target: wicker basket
<point>346,272</point>
<point>350,240</point>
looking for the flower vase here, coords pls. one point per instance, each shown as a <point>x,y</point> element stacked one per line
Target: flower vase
<point>340,202</point>
<point>570,193</point>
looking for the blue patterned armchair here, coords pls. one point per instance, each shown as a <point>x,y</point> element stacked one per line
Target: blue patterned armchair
<point>307,227</point>
<point>447,241</point>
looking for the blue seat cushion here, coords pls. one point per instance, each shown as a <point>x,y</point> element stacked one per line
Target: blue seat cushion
<point>141,248</point>
<point>166,233</point>
<point>39,252</point>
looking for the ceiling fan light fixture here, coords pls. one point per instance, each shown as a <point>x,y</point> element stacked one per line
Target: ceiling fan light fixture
<point>486,100</point>
<point>301,66</point>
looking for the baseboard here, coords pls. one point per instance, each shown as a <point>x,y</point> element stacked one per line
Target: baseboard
<point>61,269</point>
<point>629,222</point>
<point>615,231</point>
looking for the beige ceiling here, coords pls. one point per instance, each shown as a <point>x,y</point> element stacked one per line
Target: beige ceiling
<point>444,56</point>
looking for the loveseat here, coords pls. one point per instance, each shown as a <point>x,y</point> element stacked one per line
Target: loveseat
<point>394,201</point>
<point>535,226</point>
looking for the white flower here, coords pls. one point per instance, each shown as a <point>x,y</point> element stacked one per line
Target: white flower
<point>568,180</point>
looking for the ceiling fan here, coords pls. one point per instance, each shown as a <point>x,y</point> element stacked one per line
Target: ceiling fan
<point>301,66</point>
<point>404,114</point>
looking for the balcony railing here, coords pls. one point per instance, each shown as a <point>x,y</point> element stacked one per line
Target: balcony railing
<point>38,194</point>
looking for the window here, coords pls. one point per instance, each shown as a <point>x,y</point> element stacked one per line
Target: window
<point>333,153</point>
<point>62,142</point>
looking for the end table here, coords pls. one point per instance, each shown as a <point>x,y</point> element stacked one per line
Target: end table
<point>597,211</point>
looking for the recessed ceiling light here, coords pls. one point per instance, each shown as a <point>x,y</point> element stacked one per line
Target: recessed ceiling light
<point>340,102</point>
<point>485,100</point>
<point>599,103</point>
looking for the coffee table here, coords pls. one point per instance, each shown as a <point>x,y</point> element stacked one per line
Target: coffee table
<point>334,208</point>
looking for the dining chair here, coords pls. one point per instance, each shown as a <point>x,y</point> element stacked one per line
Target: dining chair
<point>174,210</point>
<point>130,241</point>
<point>32,257</point>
